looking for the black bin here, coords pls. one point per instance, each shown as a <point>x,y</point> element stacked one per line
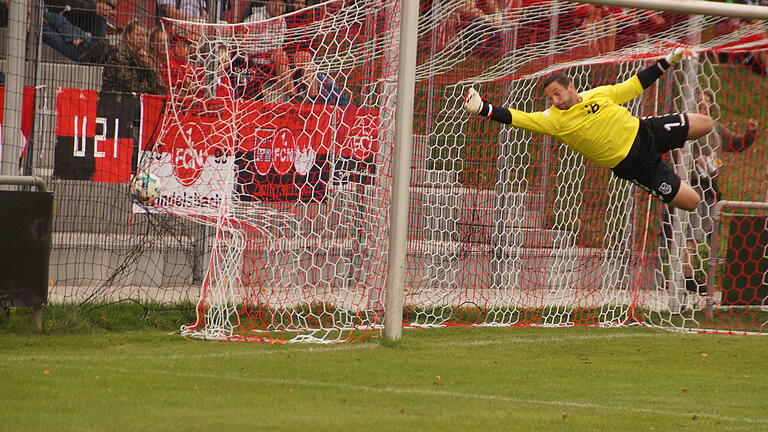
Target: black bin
<point>25,247</point>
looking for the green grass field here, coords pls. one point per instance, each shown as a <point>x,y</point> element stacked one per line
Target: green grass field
<point>124,368</point>
<point>476,379</point>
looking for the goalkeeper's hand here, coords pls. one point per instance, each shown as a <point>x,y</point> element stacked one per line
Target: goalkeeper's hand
<point>675,56</point>
<point>472,102</point>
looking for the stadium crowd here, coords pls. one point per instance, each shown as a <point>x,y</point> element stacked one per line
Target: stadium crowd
<point>127,37</point>
<point>143,53</point>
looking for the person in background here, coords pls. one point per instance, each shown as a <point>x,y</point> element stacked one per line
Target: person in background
<point>635,26</point>
<point>757,61</point>
<point>295,5</point>
<point>158,45</point>
<point>260,66</point>
<point>63,36</point>
<point>477,23</point>
<point>160,52</point>
<point>708,149</point>
<point>178,73</point>
<point>600,22</point>
<point>311,86</point>
<point>96,17</point>
<point>185,10</point>
<point>707,152</point>
<point>130,67</point>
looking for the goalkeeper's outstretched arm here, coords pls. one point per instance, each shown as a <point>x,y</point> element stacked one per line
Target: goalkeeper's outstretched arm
<point>625,91</point>
<point>649,75</point>
<point>621,92</point>
<point>475,104</point>
<point>565,99</point>
<point>629,89</point>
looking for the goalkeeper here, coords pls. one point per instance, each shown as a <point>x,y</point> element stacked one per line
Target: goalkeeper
<point>595,124</point>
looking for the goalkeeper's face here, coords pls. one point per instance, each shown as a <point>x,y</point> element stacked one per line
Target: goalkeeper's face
<point>562,97</point>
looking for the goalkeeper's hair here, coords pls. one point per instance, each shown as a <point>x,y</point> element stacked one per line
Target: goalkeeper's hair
<point>557,77</point>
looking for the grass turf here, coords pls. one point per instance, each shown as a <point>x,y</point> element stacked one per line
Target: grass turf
<point>502,379</point>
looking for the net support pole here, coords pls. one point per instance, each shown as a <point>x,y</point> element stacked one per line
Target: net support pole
<point>682,230</point>
<point>12,138</point>
<point>694,7</point>
<point>401,170</point>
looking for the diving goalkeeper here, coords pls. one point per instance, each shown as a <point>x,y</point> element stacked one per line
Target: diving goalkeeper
<point>595,124</point>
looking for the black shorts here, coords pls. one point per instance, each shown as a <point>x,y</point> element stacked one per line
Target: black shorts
<point>643,164</point>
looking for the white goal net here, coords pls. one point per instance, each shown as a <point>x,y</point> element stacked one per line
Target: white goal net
<point>278,135</point>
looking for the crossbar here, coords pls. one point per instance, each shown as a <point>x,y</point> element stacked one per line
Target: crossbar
<point>694,7</point>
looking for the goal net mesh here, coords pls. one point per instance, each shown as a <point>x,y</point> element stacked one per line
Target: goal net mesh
<point>278,136</point>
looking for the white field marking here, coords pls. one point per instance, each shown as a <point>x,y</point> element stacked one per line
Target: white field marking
<point>426,392</point>
<point>518,340</point>
<point>318,349</point>
<point>222,354</point>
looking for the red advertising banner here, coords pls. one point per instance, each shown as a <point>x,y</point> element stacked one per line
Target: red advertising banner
<point>27,107</point>
<point>152,108</point>
<point>271,152</point>
<point>282,152</point>
<point>193,133</point>
<point>358,133</point>
<point>356,145</point>
<point>94,135</point>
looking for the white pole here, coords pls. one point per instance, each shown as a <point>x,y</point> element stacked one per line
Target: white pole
<point>401,170</point>
<point>696,7</point>
<point>12,138</point>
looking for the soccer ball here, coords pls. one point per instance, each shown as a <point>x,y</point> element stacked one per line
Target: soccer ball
<point>145,188</point>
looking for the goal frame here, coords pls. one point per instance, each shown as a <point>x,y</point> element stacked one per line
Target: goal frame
<point>402,160</point>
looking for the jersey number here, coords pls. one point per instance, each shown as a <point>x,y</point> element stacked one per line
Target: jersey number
<point>669,126</point>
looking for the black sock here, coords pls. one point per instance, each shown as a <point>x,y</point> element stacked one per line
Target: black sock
<point>691,285</point>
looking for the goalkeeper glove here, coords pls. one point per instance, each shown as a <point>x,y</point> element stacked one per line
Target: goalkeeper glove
<point>675,56</point>
<point>472,102</point>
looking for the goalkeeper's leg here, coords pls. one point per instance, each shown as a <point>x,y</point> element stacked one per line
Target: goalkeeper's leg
<point>686,198</point>
<point>699,126</point>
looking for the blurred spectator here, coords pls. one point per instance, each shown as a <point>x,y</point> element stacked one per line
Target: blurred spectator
<point>224,6</point>
<point>129,67</point>
<point>264,10</point>
<point>707,153</point>
<point>478,23</point>
<point>186,10</point>
<point>93,16</point>
<point>178,74</point>
<point>158,45</point>
<point>600,23</point>
<point>260,61</point>
<point>162,54</point>
<point>311,86</point>
<point>64,37</point>
<point>295,5</point>
<point>756,60</point>
<point>96,52</point>
<point>704,179</point>
<point>727,141</point>
<point>637,25</point>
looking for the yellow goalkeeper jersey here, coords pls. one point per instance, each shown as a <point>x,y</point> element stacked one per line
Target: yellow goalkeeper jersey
<point>598,127</point>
